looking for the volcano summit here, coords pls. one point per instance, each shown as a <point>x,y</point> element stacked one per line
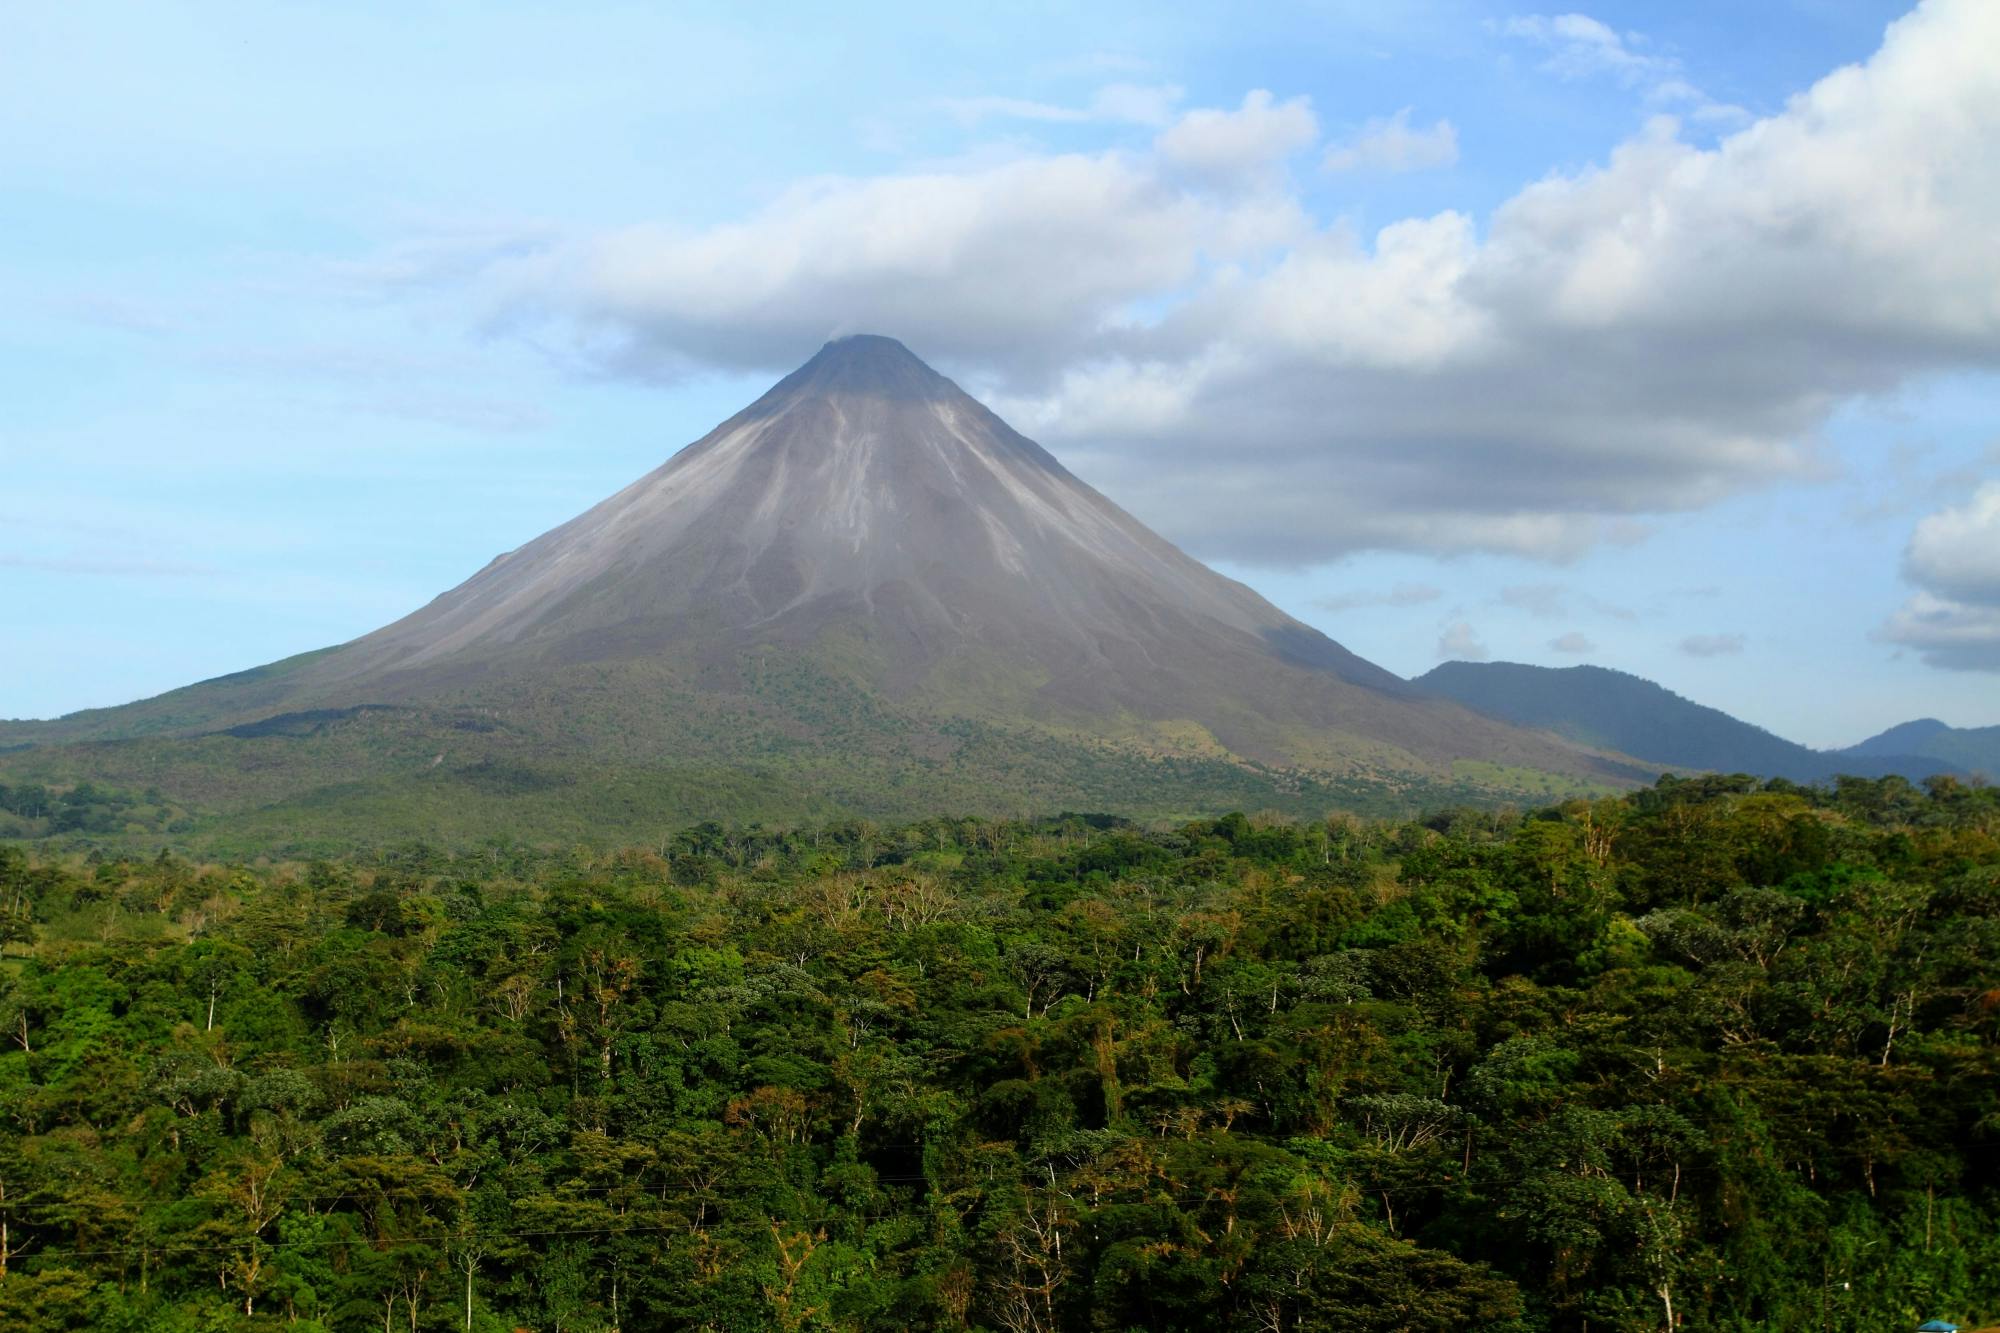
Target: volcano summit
<point>869,493</point>
<point>863,593</point>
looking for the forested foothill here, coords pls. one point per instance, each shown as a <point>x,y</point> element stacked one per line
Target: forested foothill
<point>31,810</point>
<point>1713,1055</point>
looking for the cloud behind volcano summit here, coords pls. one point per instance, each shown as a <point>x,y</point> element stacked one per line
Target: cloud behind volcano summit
<point>1649,335</point>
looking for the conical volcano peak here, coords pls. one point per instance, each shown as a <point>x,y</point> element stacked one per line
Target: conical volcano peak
<point>862,481</point>
<point>872,365</point>
<point>865,571</point>
<point>869,350</point>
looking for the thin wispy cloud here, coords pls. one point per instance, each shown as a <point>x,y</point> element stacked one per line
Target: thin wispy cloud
<point>1392,144</point>
<point>1552,601</point>
<point>482,416</point>
<point>1713,645</point>
<point>1461,643</point>
<point>123,313</point>
<point>110,567</point>
<point>1581,47</point>
<point>1117,103</point>
<point>1401,594</point>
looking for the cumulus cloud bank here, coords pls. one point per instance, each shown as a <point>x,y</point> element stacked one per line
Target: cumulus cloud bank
<point>1956,552</point>
<point>1648,335</point>
<point>1954,559</point>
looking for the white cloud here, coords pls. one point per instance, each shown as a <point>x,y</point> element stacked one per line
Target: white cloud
<point>1550,601</point>
<point>1954,558</point>
<point>1581,47</point>
<point>1118,103</point>
<point>1572,642</point>
<point>1137,103</point>
<point>1391,145</point>
<point>1231,147</point>
<point>1712,645</point>
<point>1956,552</point>
<point>1537,599</point>
<point>1644,336</point>
<point>126,567</point>
<point>1017,265</point>
<point>975,110</point>
<point>1650,335</point>
<point>1402,594</point>
<point>1460,643</point>
<point>1951,635</point>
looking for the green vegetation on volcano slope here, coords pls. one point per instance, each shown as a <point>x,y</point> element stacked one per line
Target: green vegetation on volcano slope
<point>329,782</point>
<point>1728,1047</point>
<point>85,810</point>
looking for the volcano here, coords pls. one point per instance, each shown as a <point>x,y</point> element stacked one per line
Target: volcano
<point>867,490</point>
<point>863,591</point>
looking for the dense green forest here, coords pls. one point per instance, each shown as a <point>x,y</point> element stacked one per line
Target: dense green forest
<point>32,810</point>
<point>1713,1055</point>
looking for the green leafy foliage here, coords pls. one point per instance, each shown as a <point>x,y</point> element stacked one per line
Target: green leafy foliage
<point>1712,1055</point>
<point>33,810</point>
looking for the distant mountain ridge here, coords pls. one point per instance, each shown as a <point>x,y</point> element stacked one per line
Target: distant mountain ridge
<point>1616,710</point>
<point>1974,749</point>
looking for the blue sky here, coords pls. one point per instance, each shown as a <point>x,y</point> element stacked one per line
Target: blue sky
<point>1622,336</point>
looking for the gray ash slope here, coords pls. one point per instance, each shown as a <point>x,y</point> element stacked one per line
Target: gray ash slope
<point>863,485</point>
<point>869,519</point>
